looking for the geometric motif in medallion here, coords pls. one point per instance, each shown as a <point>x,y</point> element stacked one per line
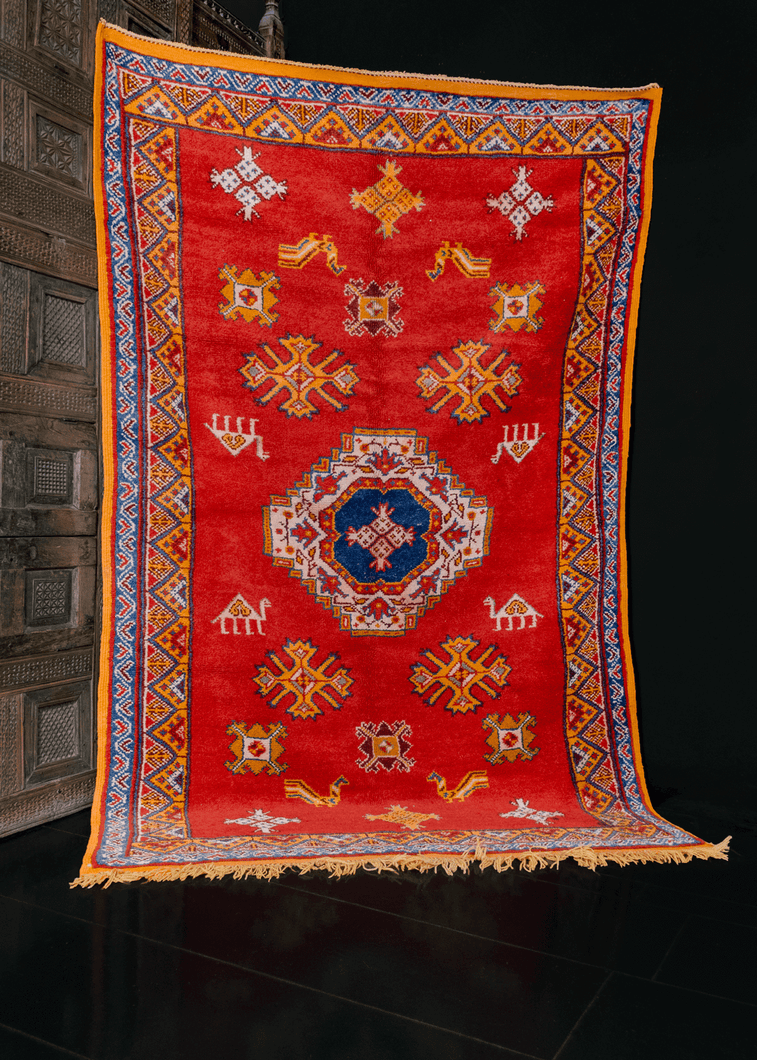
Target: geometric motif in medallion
<point>384,745</point>
<point>516,305</point>
<point>373,309</point>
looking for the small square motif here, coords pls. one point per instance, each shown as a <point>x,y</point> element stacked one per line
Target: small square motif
<point>257,749</point>
<point>374,309</point>
<point>385,747</point>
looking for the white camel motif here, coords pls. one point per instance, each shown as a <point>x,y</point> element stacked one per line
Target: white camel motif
<point>238,610</point>
<point>237,441</point>
<point>518,447</point>
<point>516,607</point>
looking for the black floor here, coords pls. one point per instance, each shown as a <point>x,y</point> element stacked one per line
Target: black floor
<point>647,962</point>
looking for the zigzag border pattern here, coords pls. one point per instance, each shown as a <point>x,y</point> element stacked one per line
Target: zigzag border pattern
<point>116,818</point>
<point>392,121</point>
<point>610,462</point>
<point>579,567</point>
<point>432,841</point>
<point>600,741</point>
<point>161,796</point>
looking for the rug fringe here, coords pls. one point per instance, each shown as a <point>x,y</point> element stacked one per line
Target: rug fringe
<point>528,860</point>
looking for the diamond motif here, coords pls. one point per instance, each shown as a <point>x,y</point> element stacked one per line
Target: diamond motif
<point>509,739</point>
<point>520,202</point>
<point>373,309</point>
<point>256,749</point>
<point>387,199</point>
<point>255,184</point>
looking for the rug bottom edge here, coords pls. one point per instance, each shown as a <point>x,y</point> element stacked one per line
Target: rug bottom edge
<point>528,860</point>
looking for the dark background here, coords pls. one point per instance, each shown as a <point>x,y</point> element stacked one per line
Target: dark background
<point>690,472</point>
<point>643,962</point>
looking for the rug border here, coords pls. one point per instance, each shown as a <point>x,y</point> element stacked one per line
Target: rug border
<point>625,441</point>
<point>528,859</point>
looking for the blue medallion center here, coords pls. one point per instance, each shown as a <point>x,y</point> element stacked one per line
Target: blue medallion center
<point>381,535</point>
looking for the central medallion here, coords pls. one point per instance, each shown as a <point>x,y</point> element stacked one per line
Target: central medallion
<point>378,531</point>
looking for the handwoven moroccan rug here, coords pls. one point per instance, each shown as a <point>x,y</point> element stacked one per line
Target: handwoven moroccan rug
<point>366,372</point>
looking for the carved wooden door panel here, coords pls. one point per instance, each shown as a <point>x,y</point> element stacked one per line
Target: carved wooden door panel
<point>48,554</point>
<point>49,401</point>
<point>48,412</point>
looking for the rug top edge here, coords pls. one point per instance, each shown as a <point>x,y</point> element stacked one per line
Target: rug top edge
<point>110,32</point>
